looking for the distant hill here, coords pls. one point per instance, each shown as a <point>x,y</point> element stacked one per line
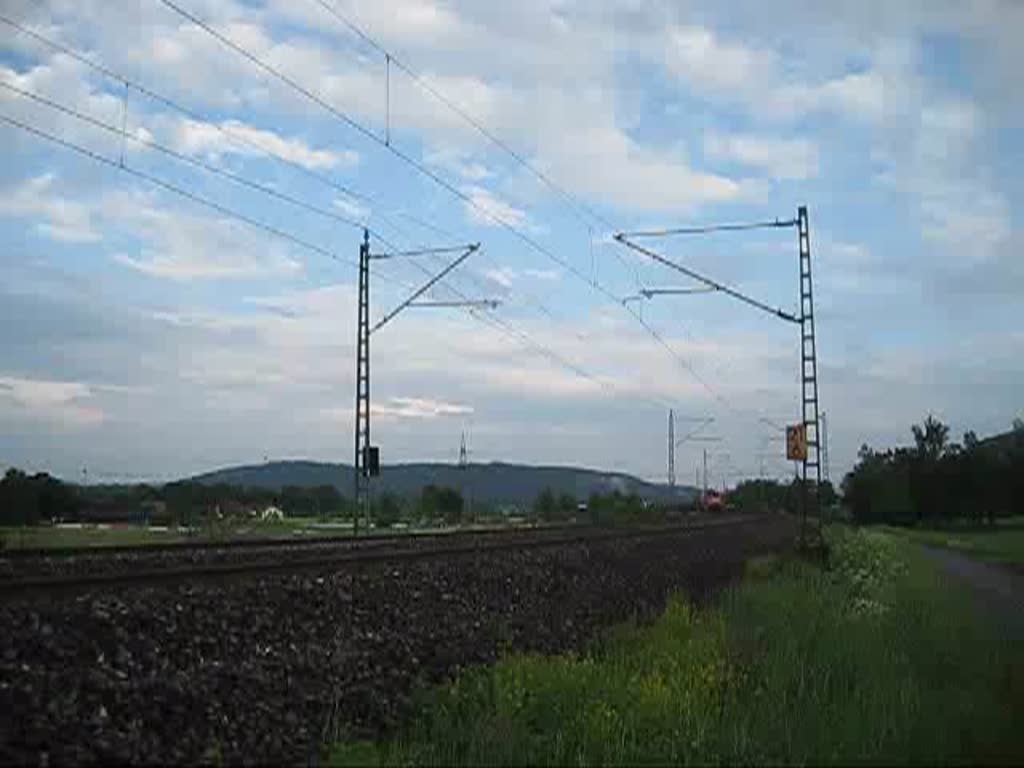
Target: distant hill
<point>496,483</point>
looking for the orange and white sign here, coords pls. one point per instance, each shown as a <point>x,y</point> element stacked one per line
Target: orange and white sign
<point>796,442</point>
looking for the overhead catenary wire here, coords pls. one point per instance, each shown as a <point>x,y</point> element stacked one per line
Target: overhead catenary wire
<point>243,140</point>
<point>174,189</point>
<point>231,134</point>
<point>419,166</point>
<point>369,134</point>
<point>778,312</point>
<point>412,162</point>
<point>419,252</point>
<point>509,330</point>
<point>190,160</point>
<point>425,287</point>
<point>191,196</point>
<point>500,325</point>
<point>711,228</point>
<point>577,206</point>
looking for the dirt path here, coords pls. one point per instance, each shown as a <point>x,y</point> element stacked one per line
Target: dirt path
<point>998,588</point>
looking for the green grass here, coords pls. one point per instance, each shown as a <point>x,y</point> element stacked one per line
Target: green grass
<point>1002,543</point>
<point>873,661</point>
<point>120,534</point>
<point>47,537</point>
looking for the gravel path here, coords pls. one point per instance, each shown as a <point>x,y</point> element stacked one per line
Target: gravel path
<point>261,670</point>
<point>999,589</point>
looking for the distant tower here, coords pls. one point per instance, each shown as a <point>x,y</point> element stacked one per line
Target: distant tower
<point>671,449</point>
<point>467,491</point>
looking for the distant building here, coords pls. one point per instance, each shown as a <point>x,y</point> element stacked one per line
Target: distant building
<point>271,513</point>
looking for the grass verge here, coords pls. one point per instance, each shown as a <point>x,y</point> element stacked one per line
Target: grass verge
<point>876,660</point>
<point>1001,543</point>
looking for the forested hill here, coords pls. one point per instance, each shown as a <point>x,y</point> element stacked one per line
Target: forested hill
<point>493,483</point>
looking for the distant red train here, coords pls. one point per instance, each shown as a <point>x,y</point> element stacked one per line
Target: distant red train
<point>713,501</point>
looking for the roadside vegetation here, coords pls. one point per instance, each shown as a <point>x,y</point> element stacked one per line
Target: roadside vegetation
<point>871,660</point>
<point>1001,542</point>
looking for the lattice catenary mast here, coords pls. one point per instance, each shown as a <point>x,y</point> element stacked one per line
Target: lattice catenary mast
<point>811,463</point>
<point>367,456</point>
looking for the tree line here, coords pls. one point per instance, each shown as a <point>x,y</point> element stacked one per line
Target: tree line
<point>41,498</point>
<point>763,495</point>
<point>936,480</point>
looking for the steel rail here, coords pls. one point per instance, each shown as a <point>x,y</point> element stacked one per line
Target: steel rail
<point>267,542</point>
<point>141,578</point>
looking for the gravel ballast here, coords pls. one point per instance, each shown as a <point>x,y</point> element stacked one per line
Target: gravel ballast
<point>263,669</point>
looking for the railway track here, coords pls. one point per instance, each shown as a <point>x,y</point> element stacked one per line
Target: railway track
<point>88,561</point>
<point>289,558</point>
<point>262,670</point>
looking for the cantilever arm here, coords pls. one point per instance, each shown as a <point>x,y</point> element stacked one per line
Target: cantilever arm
<point>425,287</point>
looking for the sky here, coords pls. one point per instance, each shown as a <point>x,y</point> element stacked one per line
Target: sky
<point>178,288</point>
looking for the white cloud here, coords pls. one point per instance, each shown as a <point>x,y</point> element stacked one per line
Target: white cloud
<point>60,218</point>
<point>503,276</point>
<point>758,78</point>
<point>58,403</point>
<point>420,408</point>
<point>398,409</point>
<point>195,138</point>
<point>696,54</point>
<point>598,159</point>
<point>460,163</point>
<point>172,243</point>
<point>784,159</point>
<point>488,209</point>
<point>936,165</point>
<point>547,275</point>
<point>563,93</point>
<point>352,209</point>
<point>970,220</point>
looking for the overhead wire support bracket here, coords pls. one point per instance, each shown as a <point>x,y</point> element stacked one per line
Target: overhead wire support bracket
<point>649,293</point>
<point>777,311</point>
<point>710,228</point>
<point>423,251</point>
<point>470,303</point>
<point>469,250</point>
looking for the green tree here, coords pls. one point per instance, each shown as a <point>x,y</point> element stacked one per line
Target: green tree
<point>296,501</point>
<point>327,500</point>
<point>545,506</point>
<point>441,503</point>
<point>387,509</point>
<point>566,506</point>
<point>451,505</point>
<point>930,438</point>
<point>29,500</point>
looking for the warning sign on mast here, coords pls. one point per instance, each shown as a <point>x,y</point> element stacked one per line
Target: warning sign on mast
<point>796,442</point>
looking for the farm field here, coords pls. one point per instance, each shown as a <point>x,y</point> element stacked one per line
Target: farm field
<point>874,660</point>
